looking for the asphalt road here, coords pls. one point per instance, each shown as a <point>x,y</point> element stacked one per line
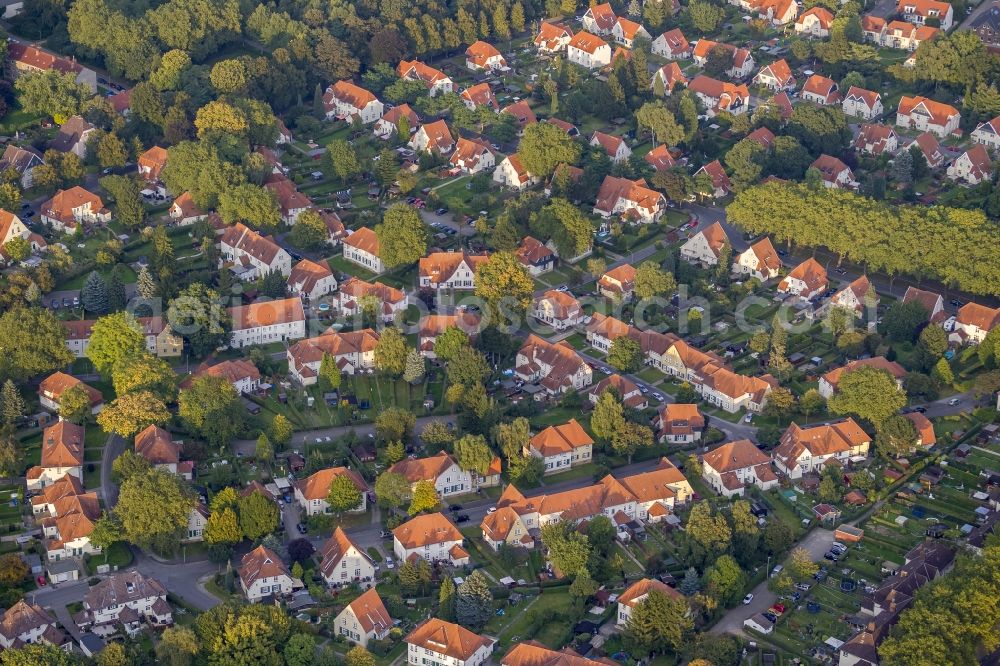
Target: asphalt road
<point>816,542</point>
<point>113,448</point>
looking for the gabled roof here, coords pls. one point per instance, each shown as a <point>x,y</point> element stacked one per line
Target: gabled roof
<point>715,236</point>
<point>938,112</point>
<point>157,446</point>
<point>623,274</point>
<point>35,57</point>
<point>660,158</point>
<point>869,97</point>
<point>348,93</point>
<point>261,562</point>
<point>446,638</point>
<point>371,612</point>
<point>819,440</point>
<point>929,299</point>
<point>979,161</point>
<point>418,71</point>
<point>603,15</point>
<point>306,274</point>
<point>532,653</point>
<point>232,370</point>
<point>811,272</point>
<point>56,384</point>
<point>779,71</point>
<point>676,41</point>
<point>122,588</point>
<point>762,136</point>
<point>718,175</point>
<point>822,14</point>
<point>440,266</point>
<point>244,239</point>
<point>481,52</point>
<point>335,548</point>
<point>930,147</point>
<point>480,94</point>
<point>817,84</point>
<point>438,136</point>
<point>532,252</point>
<point>395,113</point>
<point>424,469</point>
<point>550,34</point>
<point>522,112</point>
<point>834,376</point>
<point>21,618</point>
<point>62,445</point>
<point>365,240</point>
<point>563,304</point>
<point>874,137</point>
<point>317,485</point>
<point>585,41</point>
<point>980,316</point>
<point>830,167</point>
<point>62,203</point>
<point>656,484</point>
<point>426,529</point>
<point>637,591</point>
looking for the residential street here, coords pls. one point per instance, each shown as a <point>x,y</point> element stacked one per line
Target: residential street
<point>113,448</point>
<point>816,542</point>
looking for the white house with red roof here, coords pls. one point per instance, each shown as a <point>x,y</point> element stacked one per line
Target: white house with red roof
<point>720,181</point>
<point>614,146</point>
<point>807,280</point>
<point>345,100</point>
<point>672,45</point>
<point>599,19</point>
<point>435,641</point>
<point>431,537</point>
<point>252,255</point>
<point>588,50</point>
<point>835,173</point>
<point>732,466</point>
<point>973,322</point>
<point>855,296</point>
<point>511,173</point>
<point>743,62</point>
<point>558,309</point>
<point>668,76</point>
<point>760,260</point>
<point>437,82</point>
<point>351,351</point>
<point>705,246</point>
<point>184,212</point>
<point>638,592</point>
<point>364,619</point>
<point>345,562</point>
<point>920,11</point>
<point>927,115</point>
<point>68,209</point>
<point>720,96</point>
<point>803,450</point>
<point>263,574</point>
<point>472,156</point>
<point>776,76</point>
<point>625,32</point>
<point>557,367</point>
<point>480,94</point>
<point>660,158</point>
<point>362,248</point>
<point>390,301</point>
<point>552,37</point>
<point>311,280</point>
<point>388,125</point>
<point>973,166</point>
<point>930,148</point>
<point>483,55</point>
<point>876,139</point>
<point>988,134</point>
<point>632,199</point>
<point>265,322</point>
<point>821,90</point>
<point>312,492</point>
<point>814,22</point>
<point>450,270</point>
<point>862,103</point>
<point>562,446</point>
<point>433,137</point>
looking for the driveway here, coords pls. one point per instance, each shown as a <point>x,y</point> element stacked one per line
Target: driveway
<point>816,542</point>
<point>113,448</point>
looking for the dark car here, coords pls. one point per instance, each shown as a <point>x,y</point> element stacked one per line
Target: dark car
<point>441,211</point>
<point>65,302</point>
<point>455,507</point>
<point>55,303</point>
<point>782,253</point>
<point>302,528</point>
<point>920,409</point>
<point>385,534</point>
<point>770,616</point>
<point>462,518</point>
<point>957,303</point>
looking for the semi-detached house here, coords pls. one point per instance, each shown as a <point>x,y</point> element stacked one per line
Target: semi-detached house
<point>441,470</point>
<point>437,82</point>
<point>558,309</point>
<point>346,101</point>
<point>390,300</point>
<point>435,642</point>
<point>562,446</point>
<point>252,255</point>
<point>988,134</point>
<point>558,368</point>
<point>588,50</point>
<point>718,96</point>
<point>760,261</point>
<point>705,247</point>
<point>829,382</point>
<point>128,600</point>
<point>362,248</point>
<point>805,450</point>
<point>62,454</point>
<point>552,37</point>
<point>633,200</point>
<point>927,115</point>
<point>351,351</point>
<point>732,466</point>
<point>450,270</point>
<point>431,537</point>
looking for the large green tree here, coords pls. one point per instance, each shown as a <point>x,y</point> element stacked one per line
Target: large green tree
<point>402,236</point>
<point>153,508</point>
<point>870,393</point>
<point>544,146</point>
<point>115,339</point>
<point>210,408</point>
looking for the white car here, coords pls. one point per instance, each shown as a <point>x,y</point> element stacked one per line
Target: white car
<point>747,599</point>
<point>954,401</point>
<point>748,418</point>
<point>389,564</point>
<point>492,509</point>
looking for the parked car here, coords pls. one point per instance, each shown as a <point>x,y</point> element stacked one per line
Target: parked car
<point>805,587</point>
<point>462,518</point>
<point>389,564</point>
<point>954,401</point>
<point>747,599</point>
<point>385,534</point>
<point>302,528</point>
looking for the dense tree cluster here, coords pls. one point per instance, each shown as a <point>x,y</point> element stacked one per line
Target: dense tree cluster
<point>904,239</point>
